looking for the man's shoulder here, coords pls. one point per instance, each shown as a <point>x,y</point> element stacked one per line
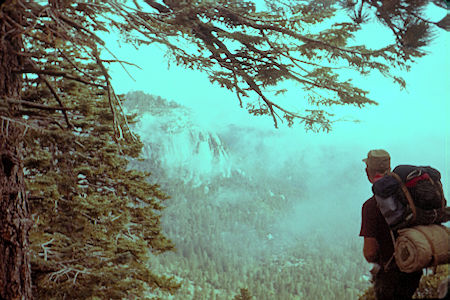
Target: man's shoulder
<point>371,202</point>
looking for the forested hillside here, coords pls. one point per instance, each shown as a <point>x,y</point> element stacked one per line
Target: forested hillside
<point>230,233</point>
<point>258,225</point>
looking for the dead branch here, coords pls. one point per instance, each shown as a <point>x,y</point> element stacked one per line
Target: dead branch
<point>57,73</point>
<point>53,91</point>
<point>36,105</point>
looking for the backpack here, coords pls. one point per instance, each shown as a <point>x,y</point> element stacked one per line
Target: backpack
<point>410,196</point>
<point>411,199</point>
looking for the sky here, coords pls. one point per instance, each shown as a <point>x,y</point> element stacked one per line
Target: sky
<point>412,124</point>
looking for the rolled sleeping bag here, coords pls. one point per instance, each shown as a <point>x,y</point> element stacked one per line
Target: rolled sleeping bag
<point>420,247</point>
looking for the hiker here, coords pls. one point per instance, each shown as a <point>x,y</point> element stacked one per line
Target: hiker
<point>389,282</point>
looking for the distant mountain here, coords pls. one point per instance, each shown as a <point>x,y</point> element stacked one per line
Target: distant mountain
<point>242,211</point>
<point>175,146</point>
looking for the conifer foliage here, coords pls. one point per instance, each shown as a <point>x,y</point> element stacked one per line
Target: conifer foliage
<point>95,221</point>
<point>405,18</point>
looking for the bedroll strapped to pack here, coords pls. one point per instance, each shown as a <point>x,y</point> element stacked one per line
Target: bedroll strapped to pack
<point>412,201</point>
<point>421,246</point>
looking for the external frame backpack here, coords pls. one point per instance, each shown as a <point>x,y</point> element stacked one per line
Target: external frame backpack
<point>411,199</point>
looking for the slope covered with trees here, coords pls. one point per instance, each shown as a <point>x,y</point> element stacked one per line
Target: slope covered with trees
<point>232,233</point>
<point>228,235</point>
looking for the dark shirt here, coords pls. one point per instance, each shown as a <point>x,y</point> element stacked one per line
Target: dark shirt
<point>374,225</point>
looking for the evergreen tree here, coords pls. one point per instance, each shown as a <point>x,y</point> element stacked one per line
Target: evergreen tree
<point>243,295</point>
<point>95,221</point>
<point>240,47</point>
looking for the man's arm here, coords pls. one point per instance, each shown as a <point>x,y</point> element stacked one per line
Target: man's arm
<point>370,249</point>
<point>369,225</point>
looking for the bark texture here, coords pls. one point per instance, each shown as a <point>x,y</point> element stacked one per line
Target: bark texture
<point>15,273</point>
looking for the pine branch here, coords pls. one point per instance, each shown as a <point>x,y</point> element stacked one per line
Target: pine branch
<point>73,64</point>
<point>246,21</point>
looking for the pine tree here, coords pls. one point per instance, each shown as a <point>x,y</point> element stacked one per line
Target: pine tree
<point>246,50</point>
<point>15,278</point>
<point>95,220</point>
<point>243,295</point>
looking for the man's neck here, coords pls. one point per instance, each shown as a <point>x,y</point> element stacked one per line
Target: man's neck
<point>376,177</point>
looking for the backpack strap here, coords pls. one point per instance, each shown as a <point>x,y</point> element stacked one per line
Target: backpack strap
<point>387,265</point>
<point>406,193</point>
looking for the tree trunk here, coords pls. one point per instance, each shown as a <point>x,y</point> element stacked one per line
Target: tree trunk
<point>15,272</point>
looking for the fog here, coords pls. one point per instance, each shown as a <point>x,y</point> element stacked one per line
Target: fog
<point>326,182</point>
<point>411,124</point>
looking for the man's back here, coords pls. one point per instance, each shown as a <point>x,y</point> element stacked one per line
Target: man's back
<point>374,225</point>
<point>389,282</point>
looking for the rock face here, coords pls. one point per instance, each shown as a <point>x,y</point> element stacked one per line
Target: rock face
<point>175,146</point>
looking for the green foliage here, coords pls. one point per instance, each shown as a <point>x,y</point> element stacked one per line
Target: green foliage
<point>96,222</point>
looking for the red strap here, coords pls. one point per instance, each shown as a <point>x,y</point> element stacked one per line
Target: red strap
<point>414,181</point>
